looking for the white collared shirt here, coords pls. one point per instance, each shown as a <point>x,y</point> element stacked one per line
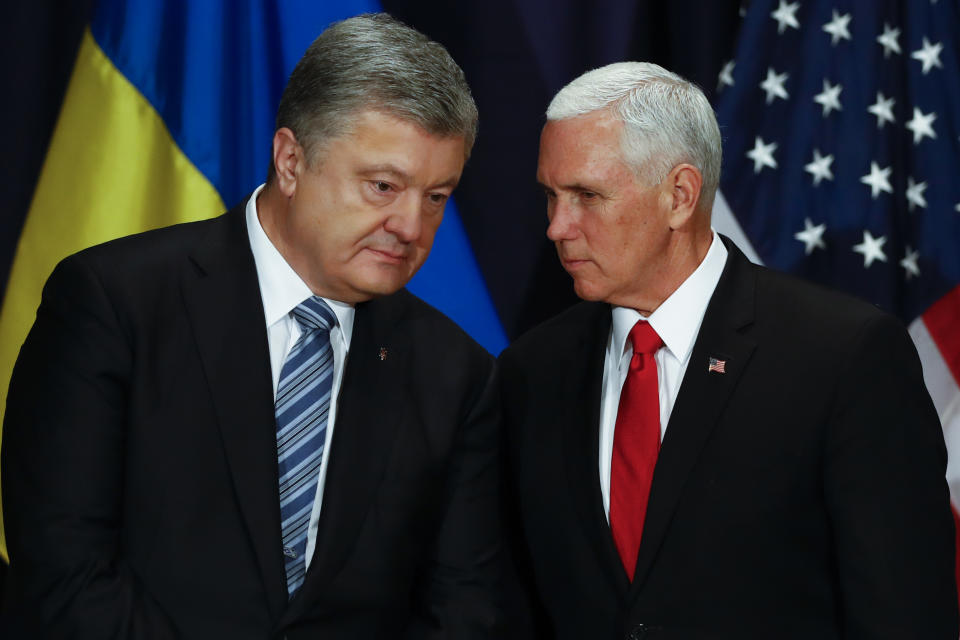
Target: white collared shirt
<point>281,290</point>
<point>677,321</point>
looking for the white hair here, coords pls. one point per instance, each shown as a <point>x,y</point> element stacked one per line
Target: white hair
<point>666,119</point>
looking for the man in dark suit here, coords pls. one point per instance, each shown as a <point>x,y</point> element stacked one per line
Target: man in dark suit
<point>246,427</point>
<point>705,448</point>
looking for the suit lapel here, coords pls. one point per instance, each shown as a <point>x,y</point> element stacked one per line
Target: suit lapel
<point>702,397</point>
<point>223,303</point>
<point>581,430</point>
<point>371,406</point>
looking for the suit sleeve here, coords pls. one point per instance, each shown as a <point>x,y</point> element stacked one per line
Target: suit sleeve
<point>63,469</point>
<point>886,494</point>
<point>460,590</point>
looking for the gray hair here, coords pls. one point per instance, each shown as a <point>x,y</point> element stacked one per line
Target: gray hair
<point>373,61</point>
<point>666,119</point>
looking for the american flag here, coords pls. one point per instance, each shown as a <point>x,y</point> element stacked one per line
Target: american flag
<point>719,366</point>
<point>841,126</point>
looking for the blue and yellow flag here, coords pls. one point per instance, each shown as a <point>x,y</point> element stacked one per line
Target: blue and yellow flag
<point>168,118</point>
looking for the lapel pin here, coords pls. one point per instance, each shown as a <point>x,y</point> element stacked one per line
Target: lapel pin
<point>383,354</point>
<point>717,366</point>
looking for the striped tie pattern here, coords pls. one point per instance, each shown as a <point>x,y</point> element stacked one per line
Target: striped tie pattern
<point>303,402</point>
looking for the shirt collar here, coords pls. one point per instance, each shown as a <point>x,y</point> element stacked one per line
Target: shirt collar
<point>677,320</point>
<point>281,289</point>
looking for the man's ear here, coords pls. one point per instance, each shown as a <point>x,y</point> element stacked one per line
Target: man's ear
<point>685,181</point>
<point>288,157</point>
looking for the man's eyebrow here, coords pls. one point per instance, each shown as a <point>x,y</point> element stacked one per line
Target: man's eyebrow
<point>403,176</point>
<point>576,186</point>
<point>451,182</point>
<point>386,168</point>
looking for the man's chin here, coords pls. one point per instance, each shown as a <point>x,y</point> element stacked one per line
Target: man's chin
<point>376,278</point>
<point>386,282</point>
<point>587,291</point>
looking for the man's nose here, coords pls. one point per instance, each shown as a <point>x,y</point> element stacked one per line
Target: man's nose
<point>562,223</point>
<point>406,218</point>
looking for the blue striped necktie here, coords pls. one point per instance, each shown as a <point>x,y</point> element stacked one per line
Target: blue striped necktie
<point>303,402</point>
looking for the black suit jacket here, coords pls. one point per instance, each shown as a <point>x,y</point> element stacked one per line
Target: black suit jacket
<point>140,471</point>
<point>801,494</point>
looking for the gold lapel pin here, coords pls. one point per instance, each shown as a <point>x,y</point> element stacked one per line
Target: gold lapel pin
<point>383,354</point>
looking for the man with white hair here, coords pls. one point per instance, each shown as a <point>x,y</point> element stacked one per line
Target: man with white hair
<point>705,448</point>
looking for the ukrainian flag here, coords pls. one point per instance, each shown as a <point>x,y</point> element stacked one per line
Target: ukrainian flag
<point>168,118</point>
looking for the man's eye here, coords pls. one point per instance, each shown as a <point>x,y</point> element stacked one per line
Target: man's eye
<point>588,195</point>
<point>438,198</point>
<point>381,186</point>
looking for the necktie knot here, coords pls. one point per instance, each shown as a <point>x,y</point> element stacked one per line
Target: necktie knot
<point>644,339</point>
<point>313,314</point>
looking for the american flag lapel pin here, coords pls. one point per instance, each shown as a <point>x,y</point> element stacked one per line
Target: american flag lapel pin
<point>383,354</point>
<point>717,366</point>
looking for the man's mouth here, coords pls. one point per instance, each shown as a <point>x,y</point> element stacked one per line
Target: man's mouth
<point>572,263</point>
<point>392,256</point>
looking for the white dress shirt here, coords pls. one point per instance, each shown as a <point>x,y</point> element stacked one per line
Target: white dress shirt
<point>677,321</point>
<point>281,290</point>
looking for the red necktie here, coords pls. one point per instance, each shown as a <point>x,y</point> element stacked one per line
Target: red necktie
<point>636,442</point>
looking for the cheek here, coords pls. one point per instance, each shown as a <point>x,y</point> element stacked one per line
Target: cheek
<point>420,254</point>
<point>431,224</point>
<point>357,226</point>
<point>607,239</point>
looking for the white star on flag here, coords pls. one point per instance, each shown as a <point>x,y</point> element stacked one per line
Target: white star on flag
<point>773,85</point>
<point>883,109</point>
<point>915,194</point>
<point>786,15</point>
<point>762,155</point>
<point>909,263</point>
<point>889,40</point>
<point>922,125</point>
<point>726,75</point>
<point>871,248</point>
<point>837,28</point>
<point>929,55</point>
<point>819,168</point>
<point>811,236</point>
<point>829,98</point>
<point>878,179</point>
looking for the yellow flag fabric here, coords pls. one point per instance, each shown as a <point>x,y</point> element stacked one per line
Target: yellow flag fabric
<point>112,169</point>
